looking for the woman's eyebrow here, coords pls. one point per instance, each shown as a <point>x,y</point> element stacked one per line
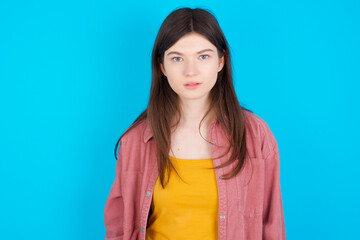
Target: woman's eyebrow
<point>178,53</point>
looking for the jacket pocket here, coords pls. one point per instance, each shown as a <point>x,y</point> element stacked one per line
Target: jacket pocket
<point>250,183</point>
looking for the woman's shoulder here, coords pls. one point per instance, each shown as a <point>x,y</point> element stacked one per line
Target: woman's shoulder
<point>254,121</point>
<point>257,130</point>
<point>137,132</point>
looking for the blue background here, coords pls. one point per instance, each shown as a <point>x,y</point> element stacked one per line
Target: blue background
<point>75,74</point>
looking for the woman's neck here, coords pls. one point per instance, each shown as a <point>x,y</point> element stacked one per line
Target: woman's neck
<point>192,111</point>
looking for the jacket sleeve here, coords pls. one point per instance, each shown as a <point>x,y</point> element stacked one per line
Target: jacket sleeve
<point>114,207</point>
<point>273,216</point>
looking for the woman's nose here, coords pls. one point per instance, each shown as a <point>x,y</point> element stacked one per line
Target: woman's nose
<point>191,68</point>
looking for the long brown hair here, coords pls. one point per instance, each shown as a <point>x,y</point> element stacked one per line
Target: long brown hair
<point>163,103</point>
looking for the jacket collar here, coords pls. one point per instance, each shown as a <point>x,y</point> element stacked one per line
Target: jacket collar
<point>148,134</point>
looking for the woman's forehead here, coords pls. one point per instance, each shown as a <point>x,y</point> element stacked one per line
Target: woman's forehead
<point>192,43</point>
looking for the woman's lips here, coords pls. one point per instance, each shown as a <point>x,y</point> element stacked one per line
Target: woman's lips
<point>192,85</point>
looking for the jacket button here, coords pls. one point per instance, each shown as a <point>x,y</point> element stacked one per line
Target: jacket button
<point>213,143</point>
<point>142,229</point>
<point>220,177</point>
<point>222,217</point>
<point>148,193</point>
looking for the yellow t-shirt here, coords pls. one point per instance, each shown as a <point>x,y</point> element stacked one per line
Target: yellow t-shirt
<point>185,210</point>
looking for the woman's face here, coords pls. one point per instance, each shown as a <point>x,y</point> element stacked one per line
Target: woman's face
<point>191,66</point>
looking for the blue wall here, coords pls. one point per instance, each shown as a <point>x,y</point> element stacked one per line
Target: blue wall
<point>74,75</point>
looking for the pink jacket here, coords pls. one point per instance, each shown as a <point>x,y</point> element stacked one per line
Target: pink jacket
<point>250,204</point>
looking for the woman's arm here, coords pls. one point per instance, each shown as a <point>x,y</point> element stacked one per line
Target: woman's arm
<point>114,207</point>
<point>273,216</point>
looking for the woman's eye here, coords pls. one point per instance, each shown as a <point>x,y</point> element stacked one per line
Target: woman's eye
<point>179,59</point>
<point>176,59</point>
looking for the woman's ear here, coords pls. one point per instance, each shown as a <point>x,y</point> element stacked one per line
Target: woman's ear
<point>221,62</point>
<point>162,69</point>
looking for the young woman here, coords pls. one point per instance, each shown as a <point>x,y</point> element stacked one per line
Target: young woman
<point>195,164</point>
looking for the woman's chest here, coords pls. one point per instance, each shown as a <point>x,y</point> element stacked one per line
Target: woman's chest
<point>190,145</point>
